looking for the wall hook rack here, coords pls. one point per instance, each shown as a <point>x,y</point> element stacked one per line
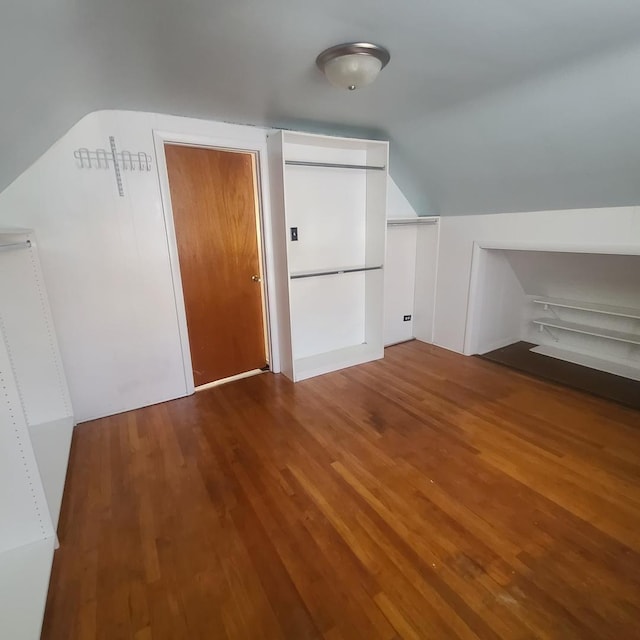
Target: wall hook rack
<point>113,159</point>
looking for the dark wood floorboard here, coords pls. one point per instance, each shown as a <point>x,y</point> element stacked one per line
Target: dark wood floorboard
<point>427,495</point>
<point>605,385</point>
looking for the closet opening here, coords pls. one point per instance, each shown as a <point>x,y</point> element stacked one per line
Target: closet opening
<point>566,314</point>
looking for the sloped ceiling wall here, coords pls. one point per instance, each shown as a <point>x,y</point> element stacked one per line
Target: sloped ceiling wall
<point>490,106</point>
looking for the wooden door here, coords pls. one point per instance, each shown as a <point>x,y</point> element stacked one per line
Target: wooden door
<point>213,197</point>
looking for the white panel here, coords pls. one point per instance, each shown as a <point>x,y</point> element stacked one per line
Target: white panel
<point>30,337</point>
<point>24,514</point>
<point>497,319</point>
<point>302,147</point>
<point>606,279</point>
<point>328,313</point>
<point>24,579</point>
<point>427,248</point>
<point>51,442</point>
<point>374,308</point>
<point>279,291</point>
<point>328,207</point>
<point>376,214</point>
<point>399,283</point>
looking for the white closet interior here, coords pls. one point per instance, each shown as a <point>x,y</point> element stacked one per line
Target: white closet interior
<point>329,213</point>
<point>410,278</point>
<point>35,434</point>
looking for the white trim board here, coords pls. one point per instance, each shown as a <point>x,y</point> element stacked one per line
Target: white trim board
<point>612,249</point>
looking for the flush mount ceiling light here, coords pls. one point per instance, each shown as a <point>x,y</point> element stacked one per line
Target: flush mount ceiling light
<point>352,65</point>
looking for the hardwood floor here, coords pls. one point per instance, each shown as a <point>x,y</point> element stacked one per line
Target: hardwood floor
<point>427,495</point>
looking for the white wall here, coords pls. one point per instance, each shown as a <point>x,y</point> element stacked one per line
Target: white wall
<point>498,300</point>
<point>410,269</point>
<point>106,262</point>
<point>106,259</point>
<point>399,283</point>
<point>587,229</point>
<point>427,249</point>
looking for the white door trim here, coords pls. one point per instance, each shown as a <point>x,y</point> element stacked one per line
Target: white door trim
<point>258,146</point>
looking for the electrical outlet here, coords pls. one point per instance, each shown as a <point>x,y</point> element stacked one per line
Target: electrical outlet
<point>406,318</point>
<point>294,234</point>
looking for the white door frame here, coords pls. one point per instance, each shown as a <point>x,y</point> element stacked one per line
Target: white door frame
<point>258,147</point>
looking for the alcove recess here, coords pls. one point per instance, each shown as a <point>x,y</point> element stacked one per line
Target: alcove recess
<point>577,306</point>
<point>329,215</point>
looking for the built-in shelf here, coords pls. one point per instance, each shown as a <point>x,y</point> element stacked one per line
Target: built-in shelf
<point>599,352</point>
<point>331,275</point>
<point>332,272</point>
<point>599,332</point>
<point>420,220</point>
<point>616,367</point>
<point>588,306</point>
<point>333,165</point>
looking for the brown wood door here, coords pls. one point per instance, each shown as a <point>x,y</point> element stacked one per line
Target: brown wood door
<point>213,196</point>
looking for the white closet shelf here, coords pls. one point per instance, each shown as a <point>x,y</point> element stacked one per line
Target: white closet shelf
<point>606,309</point>
<point>337,359</point>
<point>588,330</point>
<point>333,165</point>
<point>616,367</point>
<point>333,271</point>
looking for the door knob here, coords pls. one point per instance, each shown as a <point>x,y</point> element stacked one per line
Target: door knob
<point>256,278</point>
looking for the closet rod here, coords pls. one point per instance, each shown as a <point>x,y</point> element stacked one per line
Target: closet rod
<point>301,163</point>
<point>16,245</point>
<point>404,222</point>
<point>332,273</point>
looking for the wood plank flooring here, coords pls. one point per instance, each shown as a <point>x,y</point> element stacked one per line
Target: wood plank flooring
<point>427,495</point>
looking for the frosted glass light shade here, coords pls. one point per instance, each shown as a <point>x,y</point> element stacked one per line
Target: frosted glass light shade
<point>352,65</point>
<point>352,71</point>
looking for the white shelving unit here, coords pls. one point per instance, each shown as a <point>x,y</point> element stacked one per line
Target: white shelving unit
<point>620,336</point>
<point>36,422</point>
<point>610,335</point>
<point>329,215</point>
<point>618,368</point>
<point>605,309</point>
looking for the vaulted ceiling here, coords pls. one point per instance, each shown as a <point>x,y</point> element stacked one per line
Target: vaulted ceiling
<point>501,105</point>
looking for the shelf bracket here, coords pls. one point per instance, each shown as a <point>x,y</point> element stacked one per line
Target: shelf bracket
<point>543,327</point>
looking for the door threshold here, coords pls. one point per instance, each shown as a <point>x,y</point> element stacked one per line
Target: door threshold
<point>239,376</point>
